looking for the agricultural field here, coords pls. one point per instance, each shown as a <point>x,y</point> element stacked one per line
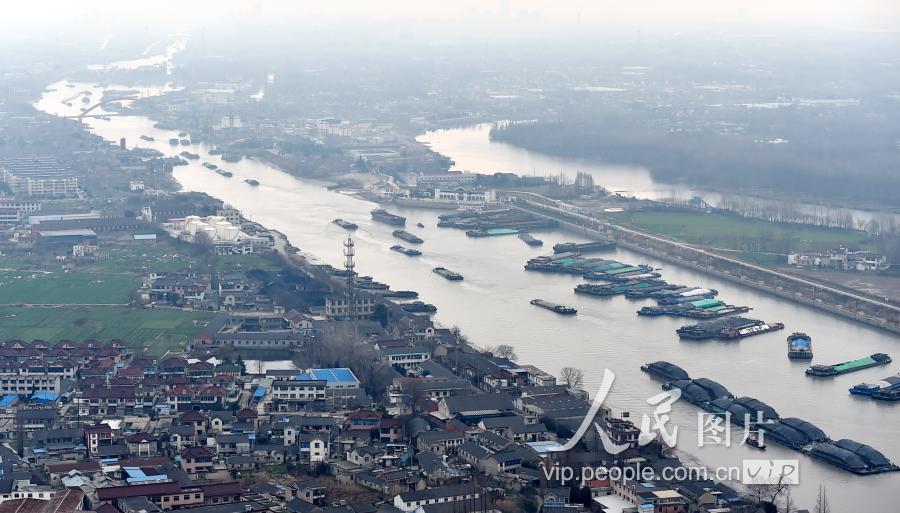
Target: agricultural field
<point>158,330</point>
<point>743,234</point>
<point>65,287</point>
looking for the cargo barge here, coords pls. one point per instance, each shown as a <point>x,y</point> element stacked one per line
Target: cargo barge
<point>447,273</point>
<point>553,307</point>
<point>530,240</point>
<point>888,383</point>
<point>611,289</point>
<point>226,174</point>
<point>347,225</point>
<point>209,165</point>
<point>712,329</point>
<point>584,247</point>
<point>851,366</point>
<point>406,251</point>
<point>406,236</point>
<point>749,331</point>
<point>491,232</point>
<point>147,138</point>
<point>419,307</point>
<point>665,370</point>
<point>190,156</point>
<point>851,456</point>
<point>382,215</point>
<point>251,182</point>
<point>799,346</point>
<point>404,294</point>
<point>173,141</point>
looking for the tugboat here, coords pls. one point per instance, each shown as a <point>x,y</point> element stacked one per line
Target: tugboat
<point>406,251</point>
<point>447,273</point>
<point>799,346</point>
<point>888,383</point>
<point>553,307</point>
<point>851,366</point>
<point>251,181</point>
<point>347,225</point>
<point>380,214</point>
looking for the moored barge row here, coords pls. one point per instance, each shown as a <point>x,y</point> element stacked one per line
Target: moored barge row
<point>712,329</point>
<point>764,422</point>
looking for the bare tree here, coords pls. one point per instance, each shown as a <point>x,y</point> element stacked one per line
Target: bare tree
<point>505,351</point>
<point>572,377</point>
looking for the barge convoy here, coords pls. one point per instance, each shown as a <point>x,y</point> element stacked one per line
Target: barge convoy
<point>553,307</point>
<point>447,274</point>
<point>406,251</point>
<point>406,236</point>
<point>799,346</point>
<point>762,420</point>
<point>489,219</point>
<point>826,371</point>
<point>382,215</point>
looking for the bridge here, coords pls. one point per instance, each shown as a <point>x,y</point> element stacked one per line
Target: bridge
<point>85,113</point>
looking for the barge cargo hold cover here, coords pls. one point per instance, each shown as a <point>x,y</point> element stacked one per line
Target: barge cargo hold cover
<point>665,370</point>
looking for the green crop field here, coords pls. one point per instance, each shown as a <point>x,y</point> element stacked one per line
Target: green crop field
<point>60,287</point>
<point>157,329</point>
<point>730,232</point>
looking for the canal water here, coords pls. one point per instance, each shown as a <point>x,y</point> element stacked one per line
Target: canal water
<point>492,307</point>
<point>472,149</point>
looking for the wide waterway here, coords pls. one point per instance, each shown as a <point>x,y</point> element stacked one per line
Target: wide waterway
<point>491,307</point>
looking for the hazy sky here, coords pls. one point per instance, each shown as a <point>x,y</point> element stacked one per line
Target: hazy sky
<point>35,16</point>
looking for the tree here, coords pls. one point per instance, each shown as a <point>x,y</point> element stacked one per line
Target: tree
<point>505,351</point>
<point>381,314</point>
<point>572,377</point>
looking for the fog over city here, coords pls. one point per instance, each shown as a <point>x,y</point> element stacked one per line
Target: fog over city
<point>449,257</point>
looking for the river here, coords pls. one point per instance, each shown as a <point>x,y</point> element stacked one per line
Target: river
<point>472,149</point>
<point>491,307</point>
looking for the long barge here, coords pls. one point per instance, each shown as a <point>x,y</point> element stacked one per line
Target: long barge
<point>712,329</point>
<point>347,225</point>
<point>406,251</point>
<point>553,307</point>
<point>491,232</point>
<point>749,331</point>
<point>382,215</point>
<point>584,247</point>
<point>837,369</point>
<point>447,274</point>
<point>665,370</point>
<point>404,294</point>
<point>419,307</point>
<point>527,238</point>
<point>406,236</point>
<point>611,289</point>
